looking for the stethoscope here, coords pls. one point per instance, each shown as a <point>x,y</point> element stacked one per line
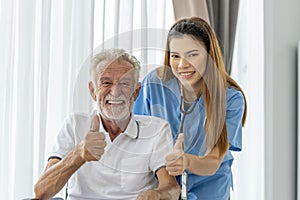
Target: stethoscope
<point>138,129</point>
<point>184,112</point>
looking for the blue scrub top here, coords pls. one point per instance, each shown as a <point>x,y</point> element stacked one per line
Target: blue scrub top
<point>162,99</point>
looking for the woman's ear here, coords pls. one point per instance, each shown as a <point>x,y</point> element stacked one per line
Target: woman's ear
<point>92,91</point>
<point>137,90</point>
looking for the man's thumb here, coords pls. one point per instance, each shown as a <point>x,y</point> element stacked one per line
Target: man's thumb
<point>95,123</point>
<point>179,142</point>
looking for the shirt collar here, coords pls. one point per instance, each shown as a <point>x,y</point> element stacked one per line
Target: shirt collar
<point>131,130</point>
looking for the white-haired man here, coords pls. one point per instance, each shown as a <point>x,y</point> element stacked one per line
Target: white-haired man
<point>110,153</point>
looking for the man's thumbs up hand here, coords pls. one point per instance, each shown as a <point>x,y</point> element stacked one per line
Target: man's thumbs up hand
<point>95,124</point>
<point>176,162</point>
<point>92,147</point>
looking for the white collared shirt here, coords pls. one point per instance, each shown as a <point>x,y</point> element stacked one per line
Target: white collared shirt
<point>128,164</point>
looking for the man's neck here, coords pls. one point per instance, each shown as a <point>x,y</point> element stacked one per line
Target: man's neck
<point>115,127</point>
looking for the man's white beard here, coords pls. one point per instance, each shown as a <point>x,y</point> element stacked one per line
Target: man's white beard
<point>117,113</point>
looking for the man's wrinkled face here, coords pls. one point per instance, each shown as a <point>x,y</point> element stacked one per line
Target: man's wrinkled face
<point>115,87</point>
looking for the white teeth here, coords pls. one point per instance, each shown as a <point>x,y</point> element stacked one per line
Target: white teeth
<point>115,101</point>
<point>186,73</point>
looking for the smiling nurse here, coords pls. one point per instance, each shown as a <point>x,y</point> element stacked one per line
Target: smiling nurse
<point>194,93</point>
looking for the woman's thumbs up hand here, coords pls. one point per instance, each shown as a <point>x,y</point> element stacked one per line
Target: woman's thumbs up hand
<point>176,162</point>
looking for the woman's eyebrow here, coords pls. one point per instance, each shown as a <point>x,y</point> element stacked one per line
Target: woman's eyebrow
<point>192,51</point>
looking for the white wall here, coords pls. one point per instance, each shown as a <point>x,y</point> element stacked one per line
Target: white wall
<point>282,31</point>
<point>248,71</point>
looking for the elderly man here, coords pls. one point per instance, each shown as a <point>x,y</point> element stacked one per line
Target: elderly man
<point>111,154</point>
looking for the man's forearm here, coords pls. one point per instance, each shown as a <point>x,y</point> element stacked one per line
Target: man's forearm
<point>54,178</point>
<point>169,192</point>
<point>168,187</point>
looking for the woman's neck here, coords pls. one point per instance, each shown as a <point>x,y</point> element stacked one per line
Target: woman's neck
<point>189,94</point>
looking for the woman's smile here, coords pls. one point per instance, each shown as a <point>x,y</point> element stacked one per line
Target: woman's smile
<point>186,75</point>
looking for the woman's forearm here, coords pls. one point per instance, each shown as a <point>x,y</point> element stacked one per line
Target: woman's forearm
<point>205,165</point>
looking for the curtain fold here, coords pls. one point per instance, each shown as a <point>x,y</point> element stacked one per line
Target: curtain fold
<point>189,8</point>
<point>223,17</point>
<point>42,35</point>
<point>6,63</point>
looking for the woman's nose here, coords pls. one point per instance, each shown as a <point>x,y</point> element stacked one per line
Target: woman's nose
<point>183,63</point>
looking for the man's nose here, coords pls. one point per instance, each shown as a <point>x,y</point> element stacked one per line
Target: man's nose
<point>115,90</point>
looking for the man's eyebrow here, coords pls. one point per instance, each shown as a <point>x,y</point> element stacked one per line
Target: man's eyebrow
<point>104,78</point>
<point>121,79</point>
<point>125,79</point>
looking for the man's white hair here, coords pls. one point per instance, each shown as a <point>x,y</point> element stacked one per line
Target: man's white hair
<point>111,55</point>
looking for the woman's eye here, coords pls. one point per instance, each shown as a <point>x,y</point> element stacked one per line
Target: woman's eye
<point>193,54</point>
<point>174,56</point>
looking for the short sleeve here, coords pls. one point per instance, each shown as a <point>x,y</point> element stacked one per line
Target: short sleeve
<point>65,141</point>
<point>142,105</point>
<point>234,115</point>
<point>161,148</point>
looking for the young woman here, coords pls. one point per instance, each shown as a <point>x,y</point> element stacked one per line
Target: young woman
<point>194,93</point>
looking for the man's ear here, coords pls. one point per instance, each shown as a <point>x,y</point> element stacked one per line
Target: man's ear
<point>92,91</point>
<point>137,90</point>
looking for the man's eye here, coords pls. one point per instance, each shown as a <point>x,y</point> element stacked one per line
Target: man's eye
<point>106,83</point>
<point>125,84</point>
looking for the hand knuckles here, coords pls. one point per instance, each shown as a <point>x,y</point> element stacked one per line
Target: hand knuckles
<point>102,144</point>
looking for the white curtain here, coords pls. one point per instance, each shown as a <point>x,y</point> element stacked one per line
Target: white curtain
<point>43,53</point>
<point>42,46</point>
<point>140,26</point>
